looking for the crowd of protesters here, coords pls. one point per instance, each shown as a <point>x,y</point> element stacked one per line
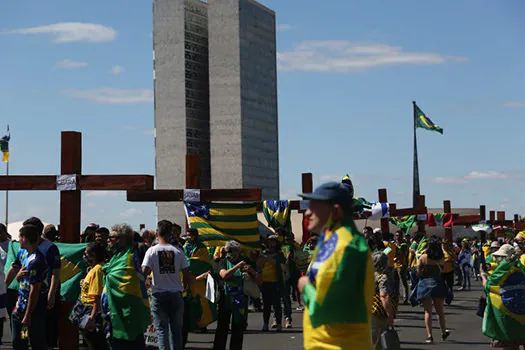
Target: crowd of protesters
<point>350,292</point>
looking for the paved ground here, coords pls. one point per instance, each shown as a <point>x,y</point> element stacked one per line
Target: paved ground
<point>461,319</point>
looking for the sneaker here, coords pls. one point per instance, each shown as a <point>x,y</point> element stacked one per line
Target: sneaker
<point>429,340</point>
<point>461,289</point>
<point>300,308</point>
<point>445,335</point>
<point>265,328</point>
<point>287,324</point>
<point>279,328</point>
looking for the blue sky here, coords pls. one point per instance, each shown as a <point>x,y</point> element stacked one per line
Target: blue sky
<point>348,71</point>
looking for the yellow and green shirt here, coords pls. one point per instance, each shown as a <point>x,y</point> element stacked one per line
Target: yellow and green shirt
<point>339,298</point>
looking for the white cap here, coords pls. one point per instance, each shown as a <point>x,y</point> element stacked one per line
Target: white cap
<point>377,230</point>
<point>505,251</point>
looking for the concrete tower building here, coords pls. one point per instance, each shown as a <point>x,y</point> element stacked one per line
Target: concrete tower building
<point>243,96</point>
<point>181,82</point>
<point>215,80</point>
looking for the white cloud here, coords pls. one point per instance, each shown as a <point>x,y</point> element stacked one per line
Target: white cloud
<point>346,56</point>
<point>68,32</point>
<point>116,70</point>
<point>283,27</point>
<point>486,175</point>
<point>113,95</point>
<point>326,178</point>
<point>513,104</point>
<point>448,180</point>
<point>473,175</point>
<point>103,194</point>
<point>149,132</point>
<point>131,212</point>
<point>69,64</point>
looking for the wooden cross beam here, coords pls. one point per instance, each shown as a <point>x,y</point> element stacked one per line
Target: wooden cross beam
<point>193,183</point>
<point>70,202</point>
<point>71,164</point>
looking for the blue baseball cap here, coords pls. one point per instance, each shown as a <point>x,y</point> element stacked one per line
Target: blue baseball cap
<point>335,192</point>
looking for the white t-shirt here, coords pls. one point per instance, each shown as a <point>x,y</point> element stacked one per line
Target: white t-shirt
<point>165,261</point>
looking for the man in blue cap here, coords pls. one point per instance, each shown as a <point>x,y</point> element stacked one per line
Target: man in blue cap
<point>339,286</point>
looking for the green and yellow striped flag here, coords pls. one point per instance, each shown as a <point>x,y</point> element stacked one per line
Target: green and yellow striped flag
<point>219,223</point>
<point>424,122</point>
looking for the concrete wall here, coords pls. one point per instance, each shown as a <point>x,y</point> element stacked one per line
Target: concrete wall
<point>225,94</point>
<point>181,95</point>
<point>260,151</point>
<point>243,96</point>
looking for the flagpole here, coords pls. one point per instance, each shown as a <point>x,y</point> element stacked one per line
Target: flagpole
<point>7,198</point>
<point>415,188</point>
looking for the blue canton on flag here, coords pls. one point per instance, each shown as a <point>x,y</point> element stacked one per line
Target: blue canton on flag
<point>201,210</point>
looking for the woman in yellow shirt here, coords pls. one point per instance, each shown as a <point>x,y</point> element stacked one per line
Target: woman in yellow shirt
<point>87,311</point>
<point>447,272</point>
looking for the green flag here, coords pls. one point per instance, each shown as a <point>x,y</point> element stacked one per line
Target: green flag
<point>404,222</point>
<point>424,122</point>
<point>72,271</point>
<point>125,296</point>
<point>504,317</point>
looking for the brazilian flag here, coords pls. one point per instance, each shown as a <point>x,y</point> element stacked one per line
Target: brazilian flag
<point>125,297</point>
<point>505,312</point>
<point>202,311</point>
<point>277,214</point>
<point>424,122</point>
<point>72,271</point>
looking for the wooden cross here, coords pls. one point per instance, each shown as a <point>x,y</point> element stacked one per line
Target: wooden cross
<point>70,204</point>
<point>193,183</point>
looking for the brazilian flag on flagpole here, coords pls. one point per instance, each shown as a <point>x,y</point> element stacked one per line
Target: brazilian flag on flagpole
<point>424,122</point>
<point>4,146</point>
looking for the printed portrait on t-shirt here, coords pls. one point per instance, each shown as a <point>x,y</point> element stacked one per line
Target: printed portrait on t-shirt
<point>166,261</point>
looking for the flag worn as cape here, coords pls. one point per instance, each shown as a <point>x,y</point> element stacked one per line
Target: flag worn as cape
<point>504,317</point>
<point>341,259</point>
<point>277,214</point>
<point>422,247</point>
<point>125,297</point>
<point>72,271</point>
<point>424,122</point>
<point>440,219</point>
<point>219,223</point>
<point>404,222</point>
<point>202,311</point>
<point>4,146</point>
